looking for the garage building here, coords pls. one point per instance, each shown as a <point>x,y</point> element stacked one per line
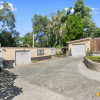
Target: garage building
<point>82,46</point>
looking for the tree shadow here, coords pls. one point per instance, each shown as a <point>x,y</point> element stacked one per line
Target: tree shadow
<point>7,89</point>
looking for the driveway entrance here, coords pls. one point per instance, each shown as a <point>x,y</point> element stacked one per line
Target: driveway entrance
<point>58,79</point>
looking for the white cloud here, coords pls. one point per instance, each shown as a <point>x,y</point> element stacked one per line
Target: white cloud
<point>10,4</point>
<point>1,2</point>
<point>72,10</point>
<point>95,10</point>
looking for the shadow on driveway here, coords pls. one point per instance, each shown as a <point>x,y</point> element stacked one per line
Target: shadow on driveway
<point>7,89</point>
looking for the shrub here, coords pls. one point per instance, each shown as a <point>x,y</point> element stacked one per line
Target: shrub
<point>35,60</point>
<point>93,58</point>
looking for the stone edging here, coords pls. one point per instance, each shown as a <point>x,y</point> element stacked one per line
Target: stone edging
<point>92,65</point>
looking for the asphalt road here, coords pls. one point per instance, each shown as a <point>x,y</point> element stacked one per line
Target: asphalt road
<point>58,79</point>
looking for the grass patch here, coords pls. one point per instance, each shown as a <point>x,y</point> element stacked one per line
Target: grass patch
<point>35,60</point>
<point>95,59</point>
<point>61,54</point>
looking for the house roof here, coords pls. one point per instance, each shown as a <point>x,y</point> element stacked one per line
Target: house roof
<point>79,40</point>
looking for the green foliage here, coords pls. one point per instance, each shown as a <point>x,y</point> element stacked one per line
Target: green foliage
<point>52,40</point>
<point>90,53</point>
<point>42,41</point>
<point>63,26</point>
<point>58,46</point>
<point>7,19</point>
<point>93,58</point>
<point>35,60</point>
<point>96,32</point>
<point>99,57</point>
<point>74,29</point>
<point>61,54</point>
<point>7,40</point>
<point>84,12</point>
<point>41,28</point>
<point>27,40</point>
<point>8,36</point>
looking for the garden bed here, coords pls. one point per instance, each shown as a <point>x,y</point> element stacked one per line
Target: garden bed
<point>92,63</point>
<point>61,55</point>
<point>95,59</point>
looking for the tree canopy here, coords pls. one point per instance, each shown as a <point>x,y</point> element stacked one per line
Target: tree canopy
<point>7,24</point>
<point>52,30</point>
<point>74,29</point>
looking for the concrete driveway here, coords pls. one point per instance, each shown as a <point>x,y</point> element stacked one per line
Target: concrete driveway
<point>58,79</point>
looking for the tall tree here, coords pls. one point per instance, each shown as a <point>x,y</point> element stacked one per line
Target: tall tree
<point>84,12</point>
<point>7,24</point>
<point>41,27</point>
<point>96,32</point>
<point>27,40</point>
<point>74,29</point>
<point>7,18</point>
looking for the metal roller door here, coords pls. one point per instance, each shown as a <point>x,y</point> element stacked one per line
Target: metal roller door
<point>22,57</point>
<point>78,49</point>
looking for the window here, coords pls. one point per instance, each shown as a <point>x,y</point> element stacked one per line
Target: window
<point>40,52</point>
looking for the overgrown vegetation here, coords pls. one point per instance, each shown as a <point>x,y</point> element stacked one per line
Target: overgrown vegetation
<point>34,60</point>
<point>53,30</point>
<point>61,54</point>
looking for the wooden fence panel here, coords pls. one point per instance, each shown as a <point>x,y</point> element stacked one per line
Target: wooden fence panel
<point>95,45</point>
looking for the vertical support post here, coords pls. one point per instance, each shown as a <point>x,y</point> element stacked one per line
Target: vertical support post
<point>33,40</point>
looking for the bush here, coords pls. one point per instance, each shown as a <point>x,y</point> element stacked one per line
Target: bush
<point>60,54</point>
<point>93,58</point>
<point>35,60</point>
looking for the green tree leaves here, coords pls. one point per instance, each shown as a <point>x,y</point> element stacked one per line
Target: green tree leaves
<point>7,18</point>
<point>7,24</point>
<point>74,29</point>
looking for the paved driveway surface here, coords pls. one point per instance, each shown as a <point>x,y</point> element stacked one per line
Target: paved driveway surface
<point>57,79</point>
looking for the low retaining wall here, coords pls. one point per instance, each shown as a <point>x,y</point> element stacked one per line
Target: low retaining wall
<point>92,65</point>
<point>41,58</point>
<point>9,63</point>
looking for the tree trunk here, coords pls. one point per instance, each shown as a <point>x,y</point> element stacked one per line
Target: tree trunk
<point>56,38</point>
<point>47,41</point>
<point>59,41</point>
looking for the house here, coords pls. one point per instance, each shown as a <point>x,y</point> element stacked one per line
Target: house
<point>15,56</point>
<point>83,46</point>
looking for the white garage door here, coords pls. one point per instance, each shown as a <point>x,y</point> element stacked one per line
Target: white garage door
<point>78,50</point>
<point>1,61</point>
<point>22,57</point>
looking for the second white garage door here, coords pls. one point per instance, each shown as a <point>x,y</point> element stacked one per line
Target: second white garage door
<point>22,57</point>
<point>78,50</point>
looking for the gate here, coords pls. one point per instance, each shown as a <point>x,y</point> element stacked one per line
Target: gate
<point>95,45</point>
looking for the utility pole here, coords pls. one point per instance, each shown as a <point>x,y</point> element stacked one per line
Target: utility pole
<point>33,40</point>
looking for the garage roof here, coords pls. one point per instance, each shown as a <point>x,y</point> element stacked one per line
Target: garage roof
<point>79,40</point>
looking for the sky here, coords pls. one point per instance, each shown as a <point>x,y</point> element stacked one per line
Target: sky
<point>24,10</point>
